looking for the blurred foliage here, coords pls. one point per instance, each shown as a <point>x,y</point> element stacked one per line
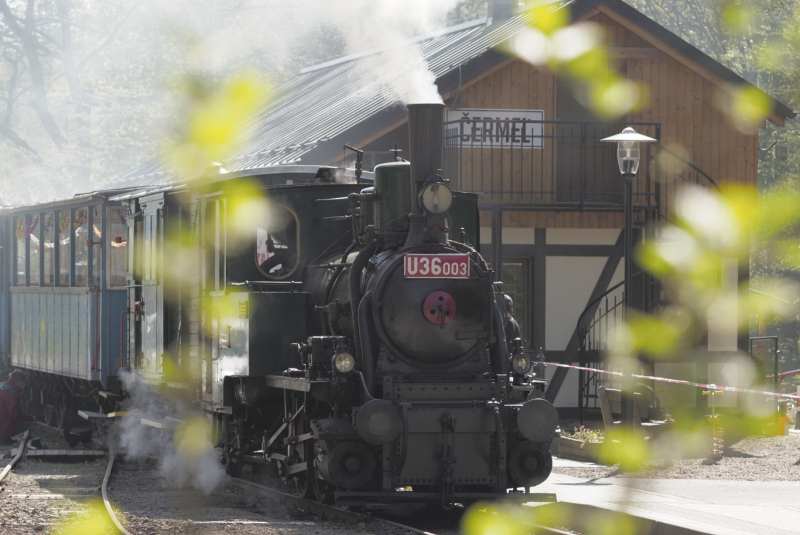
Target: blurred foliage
<point>508,518</point>
<point>93,519</point>
<point>192,438</point>
<point>760,40</point>
<point>215,115</point>
<point>576,53</point>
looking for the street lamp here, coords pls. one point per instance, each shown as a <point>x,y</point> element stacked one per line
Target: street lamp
<point>628,160</point>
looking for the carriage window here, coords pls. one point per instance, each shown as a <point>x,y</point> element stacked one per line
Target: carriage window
<point>117,246</point>
<point>277,243</point>
<point>64,258</point>
<point>97,244</point>
<point>81,229</point>
<point>49,228</point>
<point>33,235</point>
<point>22,236</point>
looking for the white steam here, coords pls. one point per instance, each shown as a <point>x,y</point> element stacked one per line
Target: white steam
<point>184,455</point>
<point>130,53</point>
<point>390,27</point>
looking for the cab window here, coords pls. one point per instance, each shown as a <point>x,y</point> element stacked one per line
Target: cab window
<point>277,243</point>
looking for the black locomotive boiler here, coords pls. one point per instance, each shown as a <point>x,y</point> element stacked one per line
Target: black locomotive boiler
<point>403,390</point>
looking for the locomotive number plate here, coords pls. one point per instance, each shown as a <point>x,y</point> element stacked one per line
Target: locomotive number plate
<point>436,266</point>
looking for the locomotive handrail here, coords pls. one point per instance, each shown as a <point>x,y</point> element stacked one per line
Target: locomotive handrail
<point>336,218</point>
<point>274,284</point>
<point>332,199</point>
<point>330,265</point>
<point>364,386</point>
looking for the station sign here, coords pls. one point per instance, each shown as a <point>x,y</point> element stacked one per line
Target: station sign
<point>494,129</point>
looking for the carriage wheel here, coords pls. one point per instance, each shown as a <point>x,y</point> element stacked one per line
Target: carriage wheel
<point>49,416</point>
<point>63,410</point>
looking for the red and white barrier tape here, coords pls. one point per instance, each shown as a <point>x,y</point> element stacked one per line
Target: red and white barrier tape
<point>709,386</point>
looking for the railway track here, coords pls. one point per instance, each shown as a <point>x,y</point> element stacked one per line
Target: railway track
<point>418,525</point>
<point>322,511</point>
<point>20,449</point>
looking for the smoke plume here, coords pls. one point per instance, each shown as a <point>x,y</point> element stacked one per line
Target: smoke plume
<point>184,454</point>
<point>115,103</point>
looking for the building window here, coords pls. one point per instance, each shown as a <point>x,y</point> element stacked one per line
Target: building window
<point>64,255</point>
<point>81,233</point>
<point>117,246</point>
<point>514,286</point>
<point>277,243</point>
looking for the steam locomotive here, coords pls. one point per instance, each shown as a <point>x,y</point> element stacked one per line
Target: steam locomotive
<point>345,330</point>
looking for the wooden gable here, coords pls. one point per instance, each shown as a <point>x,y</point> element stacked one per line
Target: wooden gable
<point>680,101</point>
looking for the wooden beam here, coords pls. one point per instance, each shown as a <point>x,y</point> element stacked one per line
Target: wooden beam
<point>635,52</point>
<point>677,56</point>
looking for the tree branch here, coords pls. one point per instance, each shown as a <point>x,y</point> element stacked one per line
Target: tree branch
<point>25,35</point>
<point>12,136</point>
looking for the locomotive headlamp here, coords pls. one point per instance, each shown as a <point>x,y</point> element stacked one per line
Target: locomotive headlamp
<point>521,363</point>
<point>436,198</point>
<point>344,362</point>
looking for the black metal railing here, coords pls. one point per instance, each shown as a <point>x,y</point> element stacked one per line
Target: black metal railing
<point>523,163</point>
<point>674,174</point>
<point>599,323</point>
<point>527,162</point>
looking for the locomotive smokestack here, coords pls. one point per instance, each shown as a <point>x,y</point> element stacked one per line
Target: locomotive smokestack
<point>426,139</point>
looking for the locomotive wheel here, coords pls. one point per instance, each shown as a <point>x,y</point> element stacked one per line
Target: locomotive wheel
<point>529,464</point>
<point>323,491</point>
<point>233,464</point>
<point>302,487</point>
<point>233,469</point>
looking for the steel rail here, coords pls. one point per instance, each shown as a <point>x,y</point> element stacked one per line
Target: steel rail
<point>322,510</point>
<point>104,488</point>
<point>16,458</point>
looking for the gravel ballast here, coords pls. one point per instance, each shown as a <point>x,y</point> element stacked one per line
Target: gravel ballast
<point>754,458</point>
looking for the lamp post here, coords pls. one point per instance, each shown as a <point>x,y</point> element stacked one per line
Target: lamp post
<point>628,160</point>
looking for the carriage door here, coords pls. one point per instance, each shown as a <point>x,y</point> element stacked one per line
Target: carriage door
<point>133,281</point>
<point>152,310</point>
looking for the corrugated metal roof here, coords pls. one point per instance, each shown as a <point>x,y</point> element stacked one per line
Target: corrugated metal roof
<point>326,100</point>
<point>330,99</point>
